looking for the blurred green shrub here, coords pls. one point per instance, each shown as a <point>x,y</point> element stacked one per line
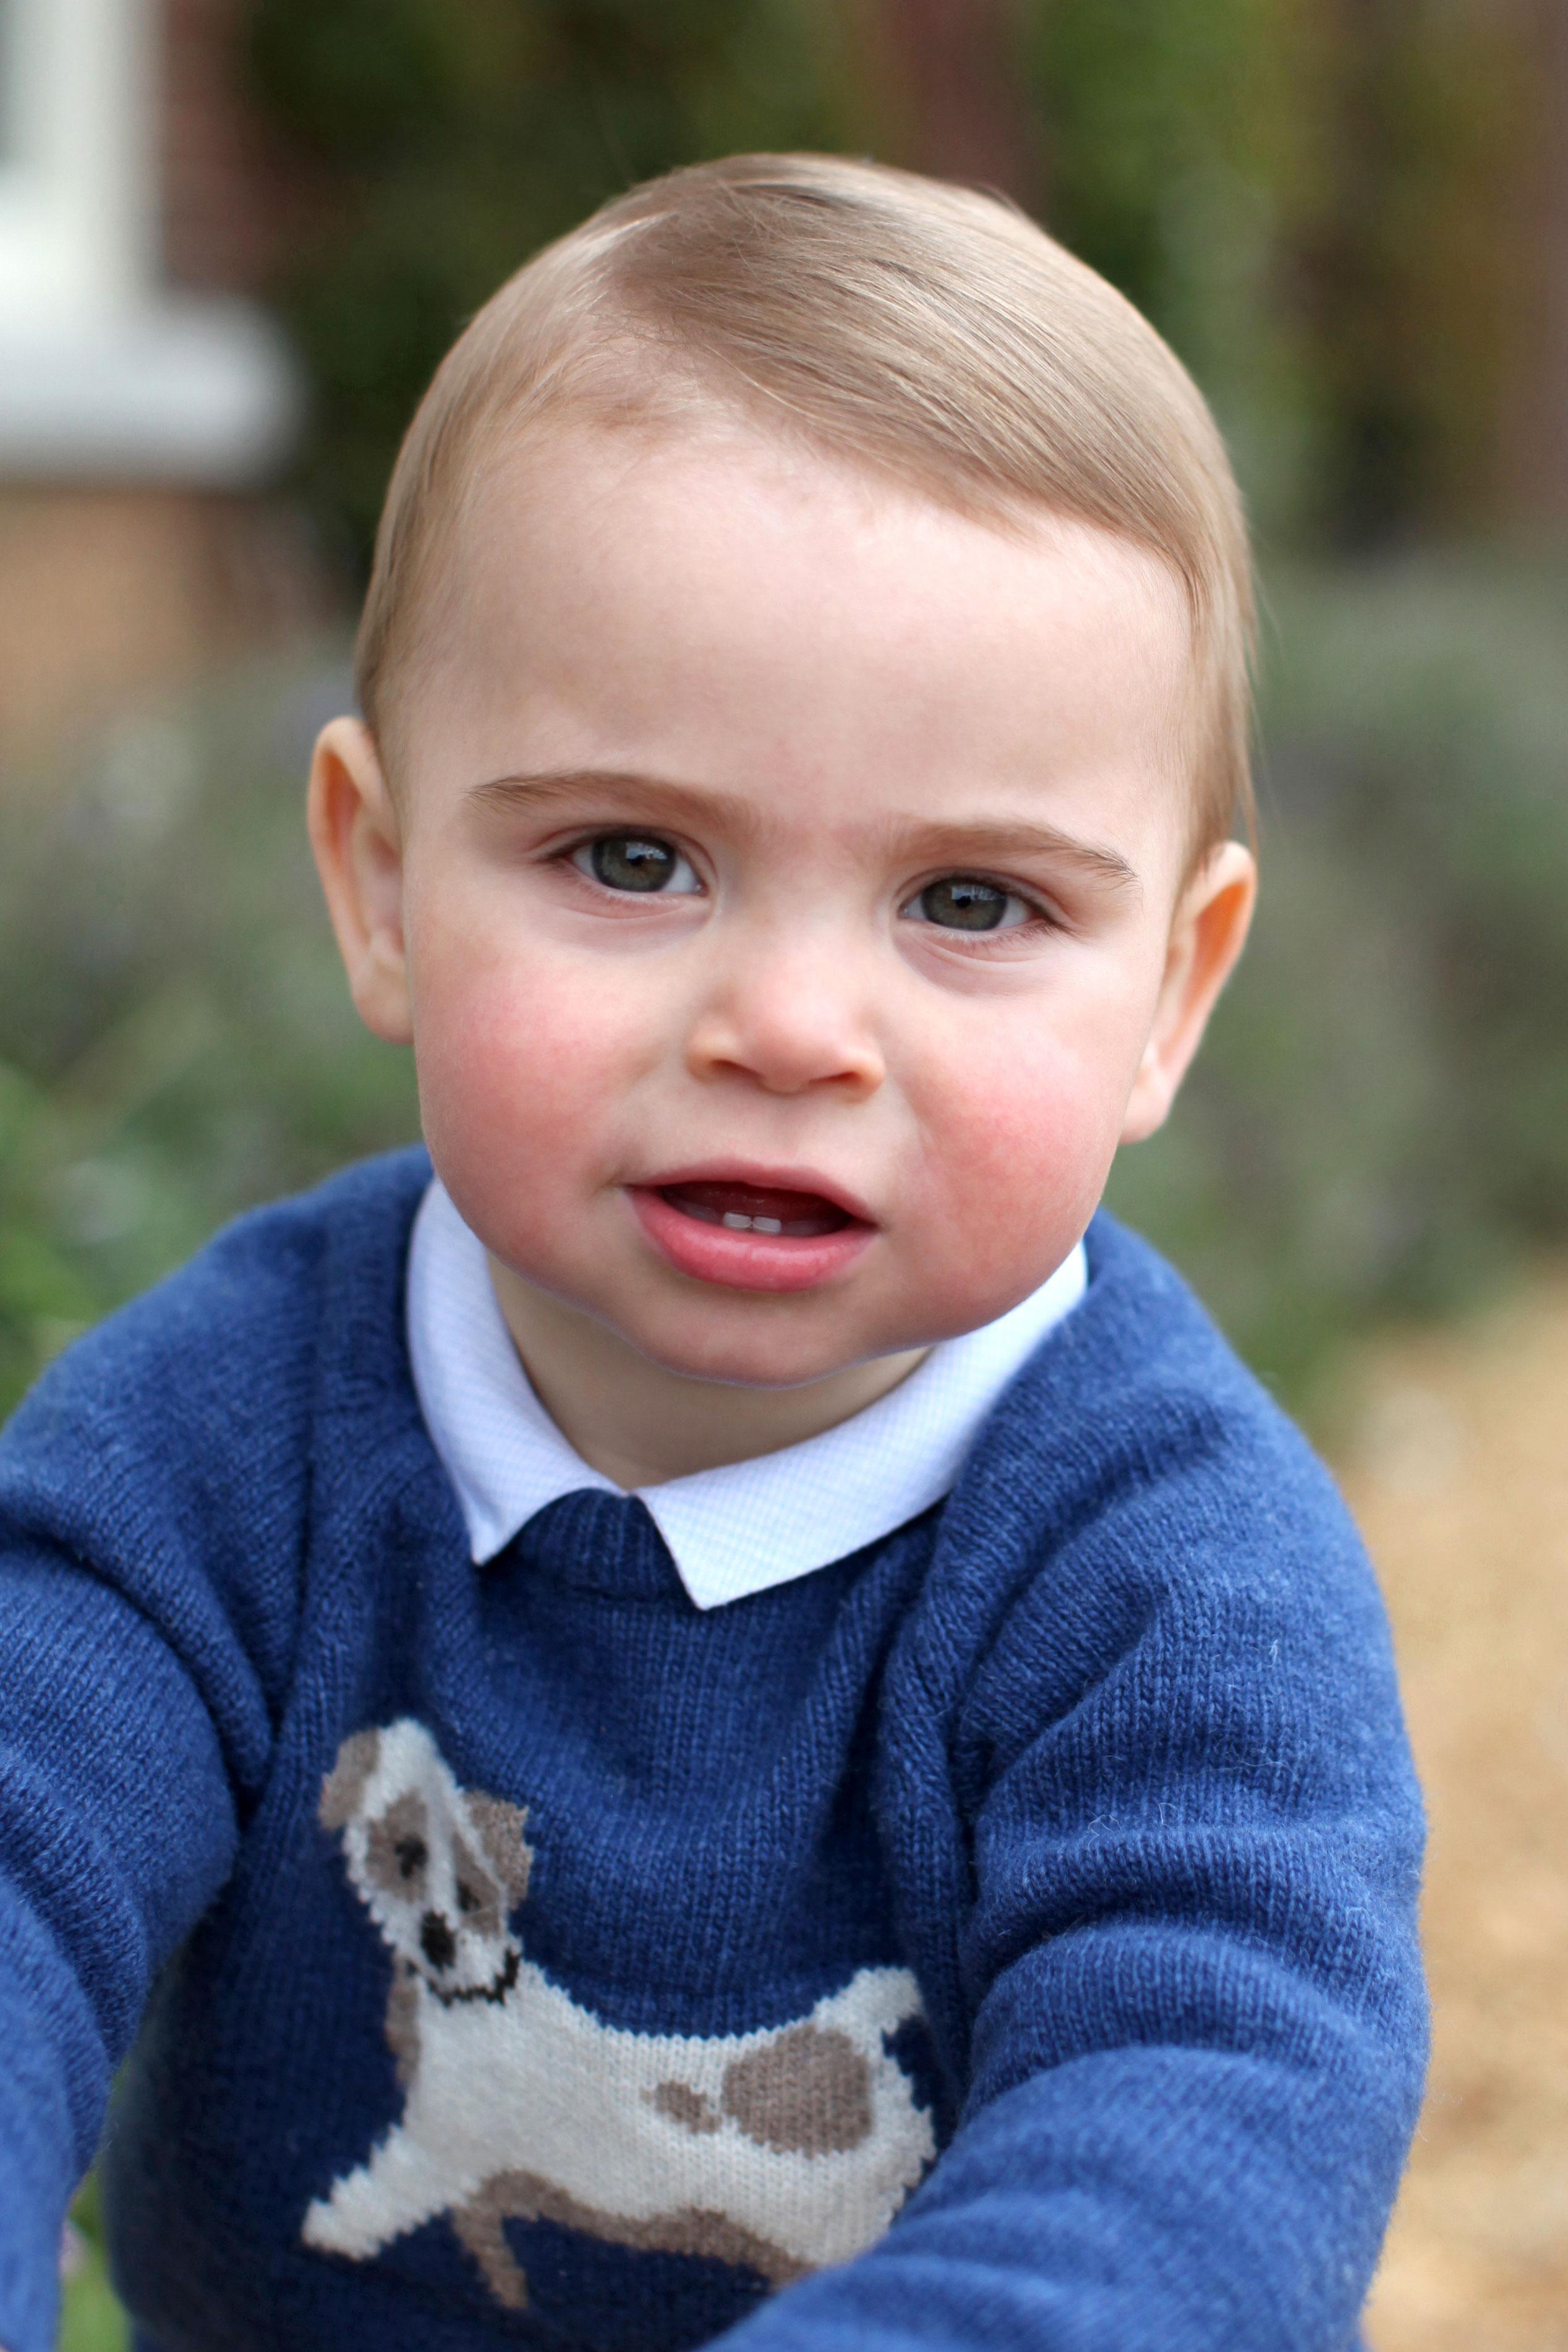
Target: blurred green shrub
<point>1325,212</point>
<point>93,2320</point>
<point>1379,1119</point>
<point>175,1040</point>
<point>1377,1124</point>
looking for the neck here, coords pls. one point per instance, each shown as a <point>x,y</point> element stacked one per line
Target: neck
<point>640,1423</point>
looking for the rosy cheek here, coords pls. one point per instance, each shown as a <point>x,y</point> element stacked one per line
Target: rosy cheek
<point>518,1072</point>
<point>1025,1147</point>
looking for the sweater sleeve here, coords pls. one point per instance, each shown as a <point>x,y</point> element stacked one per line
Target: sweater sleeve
<point>117,1825</point>
<point>1191,1838</point>
<point>137,1629</point>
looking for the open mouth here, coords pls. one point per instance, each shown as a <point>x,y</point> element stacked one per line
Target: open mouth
<point>758,1208</point>
<point>746,1234</point>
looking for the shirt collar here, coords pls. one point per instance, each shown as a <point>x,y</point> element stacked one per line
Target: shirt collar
<point>732,1531</point>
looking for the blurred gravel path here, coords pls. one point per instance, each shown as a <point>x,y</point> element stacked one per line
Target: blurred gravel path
<point>1458,1474</point>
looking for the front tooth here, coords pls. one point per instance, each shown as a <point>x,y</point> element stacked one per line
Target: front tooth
<point>767,1225</point>
<point>736,1222</point>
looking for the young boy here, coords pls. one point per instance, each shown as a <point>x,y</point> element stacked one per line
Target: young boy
<point>733,1705</point>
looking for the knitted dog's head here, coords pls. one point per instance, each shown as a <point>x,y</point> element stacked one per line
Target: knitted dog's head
<point>438,1867</point>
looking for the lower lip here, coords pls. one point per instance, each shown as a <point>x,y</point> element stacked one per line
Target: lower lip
<point>748,1260</point>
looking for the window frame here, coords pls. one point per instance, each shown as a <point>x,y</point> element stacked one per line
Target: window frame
<point>106,372</point>
<point>78,168</point>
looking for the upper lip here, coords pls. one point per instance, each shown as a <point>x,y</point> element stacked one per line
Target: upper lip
<point>764,1177</point>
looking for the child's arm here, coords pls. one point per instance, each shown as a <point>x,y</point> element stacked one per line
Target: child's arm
<point>137,1631</point>
<point>1185,1841</point>
<point>117,1826</point>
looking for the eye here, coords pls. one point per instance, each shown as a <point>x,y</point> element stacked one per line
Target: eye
<point>412,1855</point>
<point>964,902</point>
<point>467,1899</point>
<point>637,861</point>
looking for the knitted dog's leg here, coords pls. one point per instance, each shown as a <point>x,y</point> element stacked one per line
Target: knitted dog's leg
<point>480,2226</point>
<point>401,2186</point>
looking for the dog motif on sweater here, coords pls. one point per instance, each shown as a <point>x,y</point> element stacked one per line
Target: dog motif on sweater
<point>781,2151</point>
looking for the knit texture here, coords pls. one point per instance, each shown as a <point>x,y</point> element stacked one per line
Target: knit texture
<point>519,1956</point>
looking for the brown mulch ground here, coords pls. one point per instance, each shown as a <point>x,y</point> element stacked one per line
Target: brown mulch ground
<point>1459,1474</point>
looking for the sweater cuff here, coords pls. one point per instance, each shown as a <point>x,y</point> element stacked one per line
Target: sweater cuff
<point>34,2193</point>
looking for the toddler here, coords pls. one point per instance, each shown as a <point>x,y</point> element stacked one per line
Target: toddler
<point>716,1707</point>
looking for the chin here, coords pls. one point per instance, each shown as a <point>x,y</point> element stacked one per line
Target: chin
<point>758,1358</point>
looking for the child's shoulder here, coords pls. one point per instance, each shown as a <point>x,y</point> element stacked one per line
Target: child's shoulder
<point>1141,1391</point>
<point>1139,1372</point>
<point>227,1357</point>
<point>1137,1481</point>
<point>1147,1582</point>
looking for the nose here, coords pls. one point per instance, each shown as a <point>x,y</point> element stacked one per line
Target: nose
<point>791,1016</point>
<point>437,1940</point>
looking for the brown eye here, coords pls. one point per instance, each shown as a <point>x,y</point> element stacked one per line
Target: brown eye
<point>412,1855</point>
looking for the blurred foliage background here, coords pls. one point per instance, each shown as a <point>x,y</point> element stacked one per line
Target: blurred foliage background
<point>1338,212</point>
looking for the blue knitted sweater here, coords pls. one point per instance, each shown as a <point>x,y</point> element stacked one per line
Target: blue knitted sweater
<point>517,1957</point>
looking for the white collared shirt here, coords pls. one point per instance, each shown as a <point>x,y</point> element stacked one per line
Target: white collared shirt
<point>732,1531</point>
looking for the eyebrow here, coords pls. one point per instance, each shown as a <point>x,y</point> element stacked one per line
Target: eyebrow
<point>657,793</point>
<point>1004,840</point>
<point>959,845</point>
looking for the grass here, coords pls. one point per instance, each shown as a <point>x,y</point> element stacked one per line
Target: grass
<point>93,2320</point>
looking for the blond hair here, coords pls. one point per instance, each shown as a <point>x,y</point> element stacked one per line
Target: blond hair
<point>931,334</point>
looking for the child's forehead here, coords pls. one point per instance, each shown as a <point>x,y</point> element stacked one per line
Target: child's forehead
<point>724,543</point>
<point>692,471</point>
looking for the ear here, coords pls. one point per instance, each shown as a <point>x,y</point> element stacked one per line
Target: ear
<point>356,834</point>
<point>506,1851</point>
<point>345,1783</point>
<point>1208,931</point>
